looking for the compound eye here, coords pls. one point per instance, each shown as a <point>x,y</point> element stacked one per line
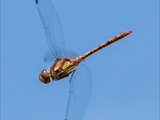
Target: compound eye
<point>44,77</point>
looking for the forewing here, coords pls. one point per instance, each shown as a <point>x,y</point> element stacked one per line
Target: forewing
<point>79,93</point>
<point>52,26</point>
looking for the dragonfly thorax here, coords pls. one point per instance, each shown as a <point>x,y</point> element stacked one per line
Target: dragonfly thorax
<point>61,68</point>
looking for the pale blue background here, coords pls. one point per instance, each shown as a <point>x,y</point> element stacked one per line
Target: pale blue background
<point>125,74</point>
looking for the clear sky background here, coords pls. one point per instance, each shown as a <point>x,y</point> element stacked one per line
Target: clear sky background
<point>125,75</point>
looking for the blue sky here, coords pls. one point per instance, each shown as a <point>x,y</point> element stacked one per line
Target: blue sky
<point>125,75</point>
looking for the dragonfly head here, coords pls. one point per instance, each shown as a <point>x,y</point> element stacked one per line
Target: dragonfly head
<point>44,77</point>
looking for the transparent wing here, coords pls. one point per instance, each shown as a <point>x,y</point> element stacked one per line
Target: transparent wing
<point>79,93</point>
<point>52,26</point>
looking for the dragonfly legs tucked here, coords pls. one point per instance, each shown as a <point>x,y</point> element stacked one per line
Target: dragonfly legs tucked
<point>62,74</point>
<point>72,75</point>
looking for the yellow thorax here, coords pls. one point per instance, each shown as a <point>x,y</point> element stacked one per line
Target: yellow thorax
<point>66,64</point>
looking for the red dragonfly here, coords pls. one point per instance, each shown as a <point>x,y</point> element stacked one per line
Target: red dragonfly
<point>64,65</point>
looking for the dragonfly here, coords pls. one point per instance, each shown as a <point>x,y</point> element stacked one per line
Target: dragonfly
<point>65,65</point>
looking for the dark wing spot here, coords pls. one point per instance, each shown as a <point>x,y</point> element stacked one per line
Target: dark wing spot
<point>36,1</point>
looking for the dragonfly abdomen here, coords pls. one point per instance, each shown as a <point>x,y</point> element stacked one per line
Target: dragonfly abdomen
<point>104,44</point>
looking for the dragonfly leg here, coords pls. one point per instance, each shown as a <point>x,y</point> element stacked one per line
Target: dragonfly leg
<point>61,77</point>
<point>72,76</point>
